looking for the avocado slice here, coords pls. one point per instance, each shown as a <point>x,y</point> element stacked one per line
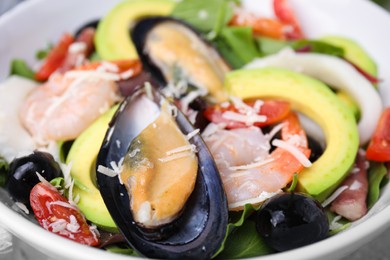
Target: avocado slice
<point>112,39</point>
<point>354,53</point>
<point>358,56</point>
<point>82,155</point>
<point>318,102</point>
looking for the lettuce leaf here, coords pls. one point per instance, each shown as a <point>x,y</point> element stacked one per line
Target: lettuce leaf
<point>205,15</point>
<point>242,239</point>
<point>4,167</point>
<point>376,177</point>
<point>20,68</point>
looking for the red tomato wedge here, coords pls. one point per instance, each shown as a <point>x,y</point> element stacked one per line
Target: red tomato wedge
<point>273,110</point>
<point>261,26</point>
<point>56,214</point>
<point>286,15</point>
<point>55,58</point>
<point>379,146</point>
<point>123,65</point>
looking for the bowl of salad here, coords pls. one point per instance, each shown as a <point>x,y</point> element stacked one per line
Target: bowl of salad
<point>194,129</point>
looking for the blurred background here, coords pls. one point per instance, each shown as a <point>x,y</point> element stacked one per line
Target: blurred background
<point>11,248</point>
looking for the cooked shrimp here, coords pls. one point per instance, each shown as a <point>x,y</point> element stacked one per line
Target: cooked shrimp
<point>250,174</point>
<point>66,105</point>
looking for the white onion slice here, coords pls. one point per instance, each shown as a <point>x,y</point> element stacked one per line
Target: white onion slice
<point>336,73</point>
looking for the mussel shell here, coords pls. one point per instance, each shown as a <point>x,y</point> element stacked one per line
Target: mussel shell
<point>139,34</point>
<point>201,227</point>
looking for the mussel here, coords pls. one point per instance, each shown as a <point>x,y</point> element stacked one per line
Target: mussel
<point>141,129</point>
<point>172,50</point>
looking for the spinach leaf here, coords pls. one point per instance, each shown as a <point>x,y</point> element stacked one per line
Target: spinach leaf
<point>376,176</point>
<point>318,47</point>
<point>269,46</point>
<point>41,54</point>
<point>243,242</point>
<point>234,244</point>
<point>205,15</point>
<point>240,42</point>
<point>19,67</point>
<point>4,167</point>
<point>119,249</point>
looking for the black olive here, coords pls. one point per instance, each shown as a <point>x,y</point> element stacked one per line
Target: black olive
<point>291,220</point>
<point>92,24</point>
<point>22,174</point>
<point>316,149</point>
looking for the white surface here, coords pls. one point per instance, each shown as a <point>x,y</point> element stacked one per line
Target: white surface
<point>32,24</point>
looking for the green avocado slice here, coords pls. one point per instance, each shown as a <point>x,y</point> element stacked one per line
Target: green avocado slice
<point>354,53</point>
<point>318,102</point>
<point>82,156</point>
<point>112,39</point>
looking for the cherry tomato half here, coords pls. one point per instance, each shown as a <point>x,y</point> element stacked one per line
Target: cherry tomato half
<point>274,110</point>
<point>379,146</point>
<point>285,14</point>
<point>56,214</point>
<point>55,58</point>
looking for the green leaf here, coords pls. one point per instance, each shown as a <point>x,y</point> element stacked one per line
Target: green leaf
<point>244,242</point>
<point>4,167</point>
<point>204,15</point>
<point>269,46</point>
<point>343,222</point>
<point>293,183</point>
<point>318,47</point>
<point>241,43</point>
<point>58,183</point>
<point>41,54</point>
<point>20,68</point>
<point>236,219</point>
<point>228,54</point>
<point>376,175</point>
<point>95,57</point>
<point>124,250</point>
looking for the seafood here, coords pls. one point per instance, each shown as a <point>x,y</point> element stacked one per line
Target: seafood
<point>249,173</point>
<point>55,110</point>
<point>195,61</point>
<point>197,227</point>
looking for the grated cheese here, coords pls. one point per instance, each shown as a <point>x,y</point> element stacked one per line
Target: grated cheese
<point>175,156</point>
<point>126,74</point>
<point>107,171</point>
<point>262,197</point>
<point>334,224</point>
<point>248,119</point>
<point>334,196</point>
<point>22,207</point>
<point>293,150</point>
<point>134,152</point>
<point>77,47</point>
<point>181,149</point>
<point>251,165</point>
<point>192,134</point>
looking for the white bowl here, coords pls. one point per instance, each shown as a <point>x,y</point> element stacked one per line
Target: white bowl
<point>32,24</point>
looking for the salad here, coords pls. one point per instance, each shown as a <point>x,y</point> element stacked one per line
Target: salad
<point>295,150</point>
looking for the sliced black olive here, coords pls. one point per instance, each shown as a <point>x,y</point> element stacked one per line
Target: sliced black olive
<point>315,147</point>
<point>291,220</point>
<point>92,24</point>
<point>23,174</point>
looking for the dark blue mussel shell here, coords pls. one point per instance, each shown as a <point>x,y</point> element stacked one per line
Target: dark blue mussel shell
<point>199,230</point>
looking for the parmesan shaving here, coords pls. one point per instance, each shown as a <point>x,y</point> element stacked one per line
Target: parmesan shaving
<point>134,152</point>
<point>248,119</point>
<point>22,207</point>
<point>334,196</point>
<point>107,171</point>
<point>334,225</point>
<point>192,134</point>
<point>181,149</point>
<point>175,156</point>
<point>293,150</point>
<point>127,74</point>
<point>251,165</point>
<point>262,197</point>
